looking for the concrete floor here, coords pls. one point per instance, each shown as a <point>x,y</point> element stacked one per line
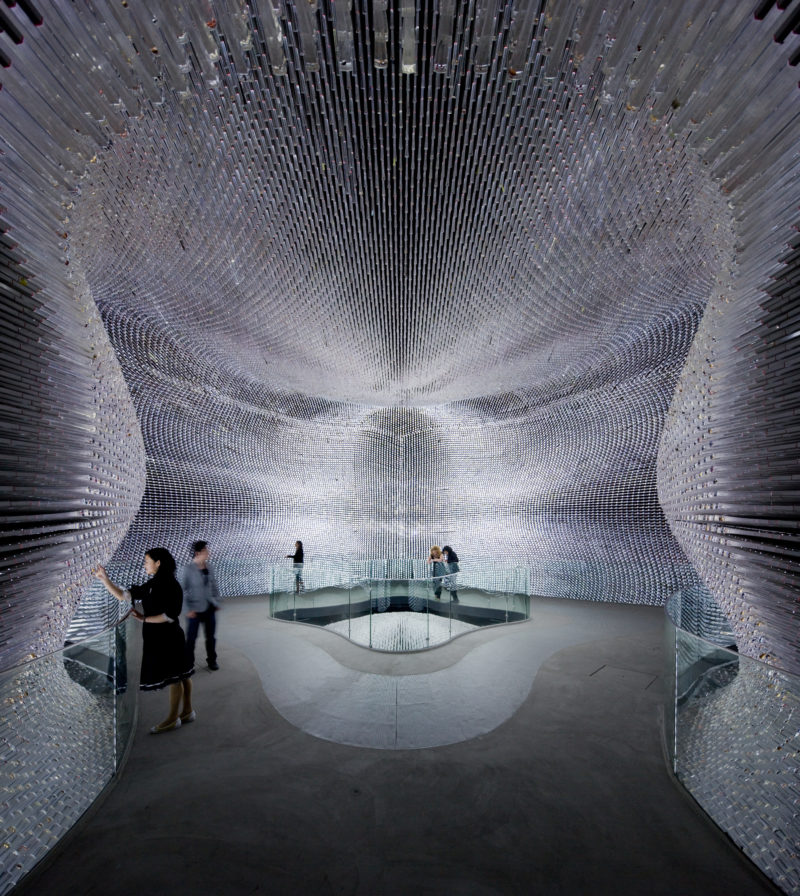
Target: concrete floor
<point>568,795</point>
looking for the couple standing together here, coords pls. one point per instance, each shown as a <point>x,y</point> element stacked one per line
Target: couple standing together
<point>168,656</point>
<point>444,567</point>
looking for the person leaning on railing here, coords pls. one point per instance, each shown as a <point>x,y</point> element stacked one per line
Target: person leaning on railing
<point>157,603</point>
<point>438,570</point>
<point>451,559</point>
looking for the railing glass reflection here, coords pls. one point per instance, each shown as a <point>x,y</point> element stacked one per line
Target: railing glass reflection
<point>65,723</point>
<point>392,604</point>
<point>733,736</point>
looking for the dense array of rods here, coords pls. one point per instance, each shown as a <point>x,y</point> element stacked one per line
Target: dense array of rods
<point>377,277</point>
<point>518,276</point>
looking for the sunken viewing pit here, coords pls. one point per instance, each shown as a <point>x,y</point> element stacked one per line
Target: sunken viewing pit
<point>521,276</point>
<point>400,615</point>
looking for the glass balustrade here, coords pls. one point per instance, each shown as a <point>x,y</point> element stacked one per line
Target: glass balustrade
<point>732,722</point>
<point>66,720</point>
<point>732,728</point>
<point>393,605</point>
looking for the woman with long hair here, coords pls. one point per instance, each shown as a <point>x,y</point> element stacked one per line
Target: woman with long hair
<point>165,661</point>
<point>438,570</point>
<point>297,557</point>
<point>451,559</point>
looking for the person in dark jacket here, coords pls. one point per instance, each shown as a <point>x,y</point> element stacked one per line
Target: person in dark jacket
<point>297,556</point>
<point>201,602</point>
<point>165,663</point>
<point>451,559</point>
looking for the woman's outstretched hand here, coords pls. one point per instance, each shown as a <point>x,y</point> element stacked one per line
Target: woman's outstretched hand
<point>100,573</point>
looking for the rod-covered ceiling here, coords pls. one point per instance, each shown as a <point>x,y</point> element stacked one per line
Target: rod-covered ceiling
<point>500,274</point>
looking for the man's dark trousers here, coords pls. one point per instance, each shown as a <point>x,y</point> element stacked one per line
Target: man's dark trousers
<point>209,619</point>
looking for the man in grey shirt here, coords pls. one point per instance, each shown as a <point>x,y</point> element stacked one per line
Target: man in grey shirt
<point>200,601</point>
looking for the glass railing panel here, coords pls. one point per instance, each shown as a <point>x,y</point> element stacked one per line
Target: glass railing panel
<point>249,577</point>
<point>517,607</point>
<point>127,661</point>
<point>322,606</point>
<point>283,605</point>
<point>378,593</point>
<point>101,664</point>
<point>670,690</point>
<point>419,591</point>
<point>65,722</point>
<point>735,729</point>
<point>359,602</point>
<point>344,611</point>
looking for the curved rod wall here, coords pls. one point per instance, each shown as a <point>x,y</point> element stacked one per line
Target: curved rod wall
<point>66,721</point>
<point>732,730</point>
<point>375,304</point>
<point>523,281</point>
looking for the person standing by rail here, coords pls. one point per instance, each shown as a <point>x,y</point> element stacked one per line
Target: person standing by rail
<point>165,662</point>
<point>438,570</point>
<point>451,559</point>
<point>297,557</point>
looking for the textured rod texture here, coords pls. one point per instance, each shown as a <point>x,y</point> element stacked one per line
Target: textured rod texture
<point>379,276</point>
<point>72,469</point>
<point>736,751</point>
<point>43,798</point>
<point>64,721</point>
<point>399,309</point>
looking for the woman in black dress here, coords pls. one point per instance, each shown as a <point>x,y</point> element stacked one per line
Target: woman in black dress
<point>165,660</point>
